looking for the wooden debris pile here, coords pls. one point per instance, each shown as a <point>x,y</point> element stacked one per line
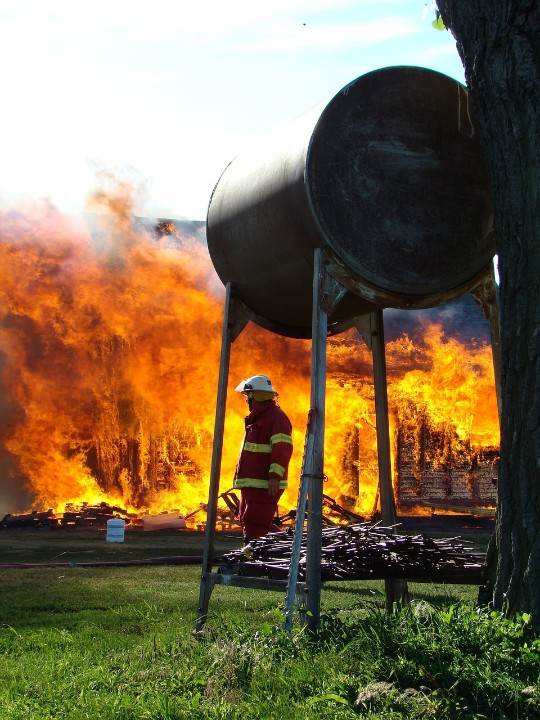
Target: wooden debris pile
<point>361,551</point>
<point>83,515</point>
<point>96,515</point>
<point>34,519</point>
<point>226,516</point>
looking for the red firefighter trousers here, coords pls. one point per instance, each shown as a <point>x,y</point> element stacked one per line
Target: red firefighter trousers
<point>257,511</point>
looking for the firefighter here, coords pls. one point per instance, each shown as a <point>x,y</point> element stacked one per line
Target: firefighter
<point>261,473</point>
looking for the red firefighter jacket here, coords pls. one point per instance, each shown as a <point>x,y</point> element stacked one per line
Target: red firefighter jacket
<point>266,449</point>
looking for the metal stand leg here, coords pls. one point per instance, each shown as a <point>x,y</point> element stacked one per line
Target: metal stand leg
<point>231,330</point>
<point>373,334</point>
<point>305,474</point>
<point>315,493</point>
<point>327,292</point>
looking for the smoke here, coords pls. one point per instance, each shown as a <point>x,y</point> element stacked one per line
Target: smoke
<point>462,319</point>
<point>15,495</point>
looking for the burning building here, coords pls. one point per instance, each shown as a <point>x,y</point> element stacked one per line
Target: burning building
<point>443,415</point>
<point>109,348</point>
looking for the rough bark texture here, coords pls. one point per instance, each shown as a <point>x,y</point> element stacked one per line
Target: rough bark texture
<point>499,44</point>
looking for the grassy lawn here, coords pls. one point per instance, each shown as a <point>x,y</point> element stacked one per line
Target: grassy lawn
<point>116,642</point>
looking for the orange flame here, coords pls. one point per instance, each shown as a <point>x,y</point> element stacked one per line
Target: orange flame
<point>110,342</point>
<point>456,385</point>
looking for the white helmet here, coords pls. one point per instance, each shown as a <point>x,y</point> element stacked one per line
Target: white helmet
<point>257,382</point>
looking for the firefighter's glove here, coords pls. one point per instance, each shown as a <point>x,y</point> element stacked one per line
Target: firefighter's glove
<point>273,487</point>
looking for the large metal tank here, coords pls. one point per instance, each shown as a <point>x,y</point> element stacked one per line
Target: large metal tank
<point>388,177</point>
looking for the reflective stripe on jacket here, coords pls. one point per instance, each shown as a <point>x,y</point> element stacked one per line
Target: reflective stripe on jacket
<point>267,448</point>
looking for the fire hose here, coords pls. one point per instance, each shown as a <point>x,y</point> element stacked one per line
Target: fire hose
<point>172,560</point>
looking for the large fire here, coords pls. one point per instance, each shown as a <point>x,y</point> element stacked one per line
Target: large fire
<point>109,346</point>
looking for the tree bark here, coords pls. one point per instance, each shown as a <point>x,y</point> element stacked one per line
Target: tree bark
<point>499,44</point>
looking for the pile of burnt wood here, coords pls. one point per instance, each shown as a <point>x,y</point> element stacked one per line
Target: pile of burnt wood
<point>361,551</point>
<point>83,515</point>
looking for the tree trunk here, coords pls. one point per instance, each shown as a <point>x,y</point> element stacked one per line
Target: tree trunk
<point>499,44</point>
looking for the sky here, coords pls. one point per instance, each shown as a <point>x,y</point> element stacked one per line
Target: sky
<point>166,93</point>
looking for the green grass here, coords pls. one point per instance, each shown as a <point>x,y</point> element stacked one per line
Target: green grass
<point>111,642</point>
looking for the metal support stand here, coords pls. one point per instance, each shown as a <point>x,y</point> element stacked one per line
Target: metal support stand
<point>327,293</point>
